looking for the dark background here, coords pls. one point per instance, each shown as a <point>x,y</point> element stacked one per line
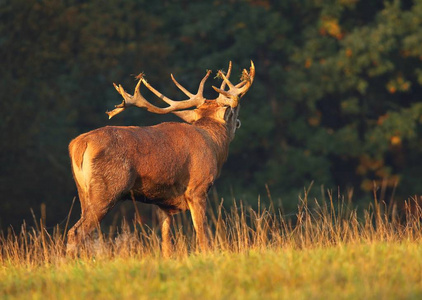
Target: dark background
<point>336,100</point>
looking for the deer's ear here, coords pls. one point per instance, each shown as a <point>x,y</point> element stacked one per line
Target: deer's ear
<point>189,116</point>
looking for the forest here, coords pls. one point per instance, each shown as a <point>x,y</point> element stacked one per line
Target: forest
<point>336,101</point>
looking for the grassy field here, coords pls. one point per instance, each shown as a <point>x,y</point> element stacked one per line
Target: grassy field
<point>326,251</point>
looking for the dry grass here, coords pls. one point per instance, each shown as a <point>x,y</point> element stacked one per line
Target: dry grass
<point>318,234</point>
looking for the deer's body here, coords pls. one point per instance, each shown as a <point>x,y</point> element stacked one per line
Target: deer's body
<point>150,161</point>
<point>171,165</point>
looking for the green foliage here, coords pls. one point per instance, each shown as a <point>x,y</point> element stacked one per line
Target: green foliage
<point>336,98</point>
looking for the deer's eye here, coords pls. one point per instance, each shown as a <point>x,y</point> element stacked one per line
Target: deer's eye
<point>238,123</point>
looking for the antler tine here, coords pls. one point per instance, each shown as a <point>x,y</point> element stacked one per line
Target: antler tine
<point>119,107</point>
<point>157,93</point>
<point>202,83</point>
<point>247,78</point>
<point>223,84</point>
<point>187,93</point>
<point>225,80</point>
<point>200,89</point>
<point>235,92</point>
<point>194,100</point>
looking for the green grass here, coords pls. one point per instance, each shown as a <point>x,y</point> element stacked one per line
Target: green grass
<point>329,253</point>
<point>361,271</point>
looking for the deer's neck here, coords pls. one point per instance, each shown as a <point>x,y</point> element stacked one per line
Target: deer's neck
<point>219,137</point>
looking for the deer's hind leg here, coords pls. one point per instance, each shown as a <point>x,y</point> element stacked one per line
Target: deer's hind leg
<point>96,201</point>
<point>94,208</point>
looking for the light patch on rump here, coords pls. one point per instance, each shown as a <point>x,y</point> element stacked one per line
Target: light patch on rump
<point>82,167</point>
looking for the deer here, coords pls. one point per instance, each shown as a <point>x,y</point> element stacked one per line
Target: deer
<point>171,164</point>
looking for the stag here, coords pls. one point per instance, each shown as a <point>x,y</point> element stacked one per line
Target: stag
<point>171,165</point>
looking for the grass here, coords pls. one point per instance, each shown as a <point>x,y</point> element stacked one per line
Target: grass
<point>326,251</point>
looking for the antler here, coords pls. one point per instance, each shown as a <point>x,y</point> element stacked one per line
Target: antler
<point>138,100</point>
<point>235,92</point>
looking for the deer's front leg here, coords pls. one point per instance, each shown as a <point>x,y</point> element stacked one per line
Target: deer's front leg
<point>166,244</point>
<point>197,208</point>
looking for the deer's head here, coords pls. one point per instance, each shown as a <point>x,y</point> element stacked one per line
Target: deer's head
<point>223,109</point>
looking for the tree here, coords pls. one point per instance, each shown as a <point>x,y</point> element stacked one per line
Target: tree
<point>358,82</point>
<point>335,100</point>
<point>59,60</point>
